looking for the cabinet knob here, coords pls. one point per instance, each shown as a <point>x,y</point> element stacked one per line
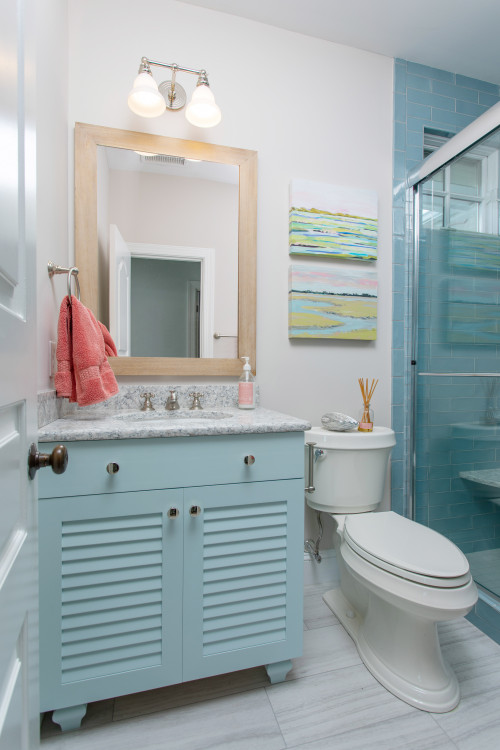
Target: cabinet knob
<point>249,460</point>
<point>58,460</point>
<point>112,468</point>
<point>173,512</point>
<point>194,510</point>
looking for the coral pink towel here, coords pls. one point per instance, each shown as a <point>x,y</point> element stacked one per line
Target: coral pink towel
<point>83,345</point>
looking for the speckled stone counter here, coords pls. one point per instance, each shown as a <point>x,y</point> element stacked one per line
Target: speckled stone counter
<point>122,425</point>
<point>120,417</point>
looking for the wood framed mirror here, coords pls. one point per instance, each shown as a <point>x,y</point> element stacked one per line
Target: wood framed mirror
<point>91,261</point>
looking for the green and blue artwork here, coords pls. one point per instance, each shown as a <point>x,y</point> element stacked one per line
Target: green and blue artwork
<point>335,222</point>
<point>332,304</point>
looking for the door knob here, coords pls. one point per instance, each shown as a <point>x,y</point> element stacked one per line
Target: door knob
<point>194,510</point>
<point>249,460</point>
<point>112,468</point>
<point>58,460</point>
<point>173,512</point>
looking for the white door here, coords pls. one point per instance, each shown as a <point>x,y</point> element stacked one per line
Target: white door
<point>19,706</point>
<point>119,291</point>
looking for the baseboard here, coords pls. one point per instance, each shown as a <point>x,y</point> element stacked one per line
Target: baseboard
<point>322,572</point>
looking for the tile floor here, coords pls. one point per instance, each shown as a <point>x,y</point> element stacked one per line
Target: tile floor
<point>328,702</point>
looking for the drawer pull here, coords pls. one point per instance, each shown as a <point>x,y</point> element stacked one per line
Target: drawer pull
<point>194,510</point>
<point>173,512</point>
<point>249,460</point>
<point>112,468</point>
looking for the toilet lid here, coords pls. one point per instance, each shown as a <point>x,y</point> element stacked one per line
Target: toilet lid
<point>406,548</point>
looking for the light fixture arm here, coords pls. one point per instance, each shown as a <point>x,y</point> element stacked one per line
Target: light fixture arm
<point>145,67</point>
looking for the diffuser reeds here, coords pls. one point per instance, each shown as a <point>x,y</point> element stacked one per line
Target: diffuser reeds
<point>366,421</point>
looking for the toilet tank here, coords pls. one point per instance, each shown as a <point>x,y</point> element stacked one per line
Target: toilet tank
<point>350,469</point>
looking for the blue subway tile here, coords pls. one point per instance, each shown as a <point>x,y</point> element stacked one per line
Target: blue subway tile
<point>475,83</point>
<point>415,139</point>
<point>422,111</point>
<point>399,107</point>
<point>468,108</point>
<point>428,72</point>
<point>416,125</point>
<point>456,92</point>
<point>488,99</point>
<point>452,120</point>
<point>398,221</point>
<point>400,77</point>
<point>418,82</point>
<point>414,153</point>
<point>399,166</point>
<point>431,100</point>
<point>399,136</point>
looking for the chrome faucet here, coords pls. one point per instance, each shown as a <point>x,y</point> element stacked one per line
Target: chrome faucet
<point>172,403</point>
<point>196,401</point>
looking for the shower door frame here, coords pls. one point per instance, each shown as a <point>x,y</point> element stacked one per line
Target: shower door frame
<point>447,153</point>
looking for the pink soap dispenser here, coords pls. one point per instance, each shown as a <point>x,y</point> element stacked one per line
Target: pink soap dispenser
<point>246,387</point>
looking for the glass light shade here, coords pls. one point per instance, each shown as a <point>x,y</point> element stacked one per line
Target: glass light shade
<point>144,98</point>
<point>202,109</point>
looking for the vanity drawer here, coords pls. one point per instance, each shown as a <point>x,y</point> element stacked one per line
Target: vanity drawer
<point>173,462</point>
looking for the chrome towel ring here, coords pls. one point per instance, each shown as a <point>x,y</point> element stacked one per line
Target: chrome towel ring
<point>72,272</point>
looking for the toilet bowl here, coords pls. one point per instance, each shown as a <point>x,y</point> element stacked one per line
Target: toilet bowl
<point>398,579</point>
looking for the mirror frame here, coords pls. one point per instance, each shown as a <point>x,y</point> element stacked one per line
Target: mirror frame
<point>87,139</point>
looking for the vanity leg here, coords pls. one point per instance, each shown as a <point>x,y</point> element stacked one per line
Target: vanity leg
<point>69,718</point>
<point>278,671</point>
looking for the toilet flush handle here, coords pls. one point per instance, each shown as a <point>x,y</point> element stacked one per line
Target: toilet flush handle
<point>311,487</point>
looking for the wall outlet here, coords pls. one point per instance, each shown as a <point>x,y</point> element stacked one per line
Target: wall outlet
<point>52,359</point>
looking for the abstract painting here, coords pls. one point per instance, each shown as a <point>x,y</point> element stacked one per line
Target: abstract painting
<point>335,222</point>
<point>332,304</point>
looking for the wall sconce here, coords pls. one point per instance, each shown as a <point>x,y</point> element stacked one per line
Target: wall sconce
<point>150,100</point>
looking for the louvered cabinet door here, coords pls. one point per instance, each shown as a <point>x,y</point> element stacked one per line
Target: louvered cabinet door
<point>111,583</point>
<point>243,570</point>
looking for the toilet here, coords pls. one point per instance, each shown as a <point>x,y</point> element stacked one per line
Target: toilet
<point>398,579</point>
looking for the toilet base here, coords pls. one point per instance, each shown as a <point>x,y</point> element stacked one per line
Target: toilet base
<point>442,696</point>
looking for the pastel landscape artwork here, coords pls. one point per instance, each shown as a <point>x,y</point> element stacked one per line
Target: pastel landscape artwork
<point>336,222</point>
<point>326,304</point>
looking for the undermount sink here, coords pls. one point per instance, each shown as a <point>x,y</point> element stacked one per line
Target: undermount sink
<point>140,416</point>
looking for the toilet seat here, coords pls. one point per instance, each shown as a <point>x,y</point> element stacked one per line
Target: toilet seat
<point>406,549</point>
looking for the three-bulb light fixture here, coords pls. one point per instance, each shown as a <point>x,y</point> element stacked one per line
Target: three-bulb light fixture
<point>150,100</point>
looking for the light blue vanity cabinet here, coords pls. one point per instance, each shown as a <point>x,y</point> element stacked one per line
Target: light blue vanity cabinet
<point>185,563</point>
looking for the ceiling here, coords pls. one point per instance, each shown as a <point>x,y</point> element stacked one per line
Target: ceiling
<point>459,36</point>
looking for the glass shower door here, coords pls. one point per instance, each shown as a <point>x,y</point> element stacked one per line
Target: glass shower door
<point>457,372</point>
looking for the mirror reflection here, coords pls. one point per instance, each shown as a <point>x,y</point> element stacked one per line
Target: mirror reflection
<point>168,249</point>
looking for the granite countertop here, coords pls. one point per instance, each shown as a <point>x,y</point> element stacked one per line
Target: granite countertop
<point>123,424</point>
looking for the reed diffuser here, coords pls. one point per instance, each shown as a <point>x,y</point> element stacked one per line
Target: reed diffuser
<point>366,418</point>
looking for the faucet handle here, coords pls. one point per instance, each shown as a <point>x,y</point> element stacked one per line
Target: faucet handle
<point>196,400</point>
<point>147,405</point>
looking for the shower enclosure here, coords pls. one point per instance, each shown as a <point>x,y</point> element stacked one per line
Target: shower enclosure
<point>455,350</point>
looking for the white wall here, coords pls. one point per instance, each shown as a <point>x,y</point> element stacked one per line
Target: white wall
<point>52,171</point>
<point>312,109</point>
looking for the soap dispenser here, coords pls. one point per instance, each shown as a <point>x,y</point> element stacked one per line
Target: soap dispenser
<point>246,387</point>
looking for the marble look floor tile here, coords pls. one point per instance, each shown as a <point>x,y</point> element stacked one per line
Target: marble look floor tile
<point>475,659</point>
<point>325,649</point>
<point>316,613</point>
<point>151,701</point>
<point>237,722</point>
<point>332,703</point>
<point>413,731</point>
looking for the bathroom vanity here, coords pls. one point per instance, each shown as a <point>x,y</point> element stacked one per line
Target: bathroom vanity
<point>169,551</point>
